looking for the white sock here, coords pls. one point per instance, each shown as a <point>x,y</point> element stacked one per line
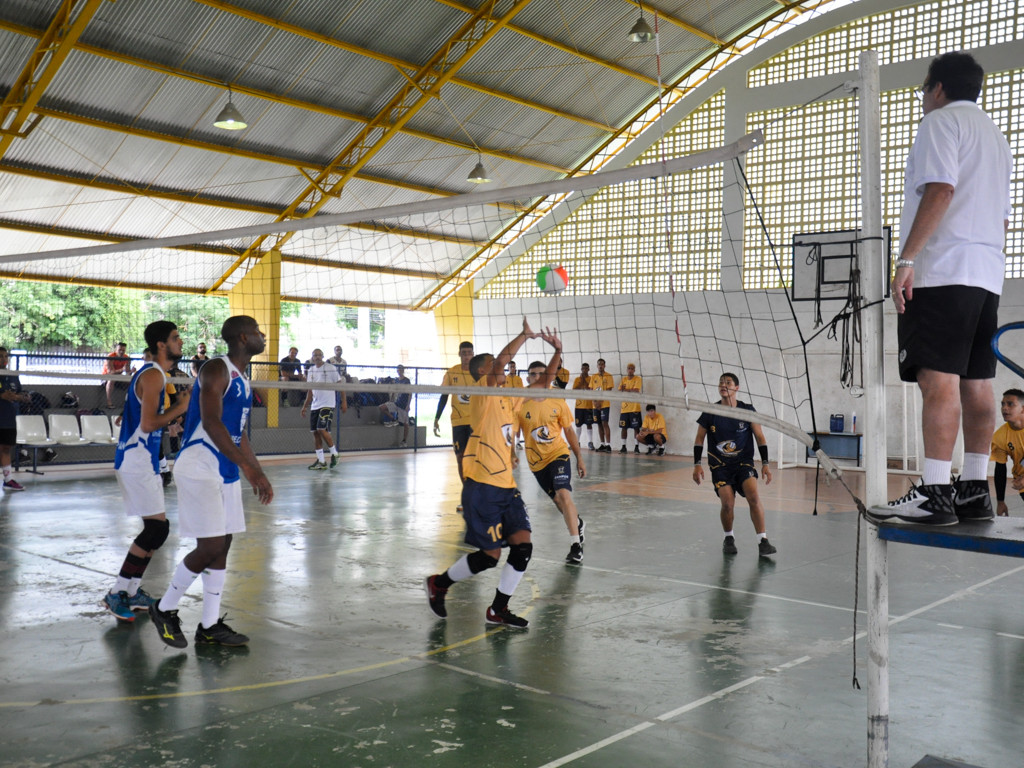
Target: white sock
<point>509,580</point>
<point>574,539</point>
<point>320,455</point>
<point>579,433</point>
<point>213,586</point>
<point>7,472</point>
<point>762,536</point>
<point>163,465</point>
<point>936,472</point>
<point>133,586</point>
<point>180,582</point>
<point>975,466</point>
<point>729,533</point>
<point>334,450</point>
<point>460,570</point>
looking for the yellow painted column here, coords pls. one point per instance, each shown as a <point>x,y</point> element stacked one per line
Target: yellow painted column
<point>258,295</point>
<point>454,322</point>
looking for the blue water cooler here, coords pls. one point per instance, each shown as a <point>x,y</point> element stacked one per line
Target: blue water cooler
<point>837,422</point>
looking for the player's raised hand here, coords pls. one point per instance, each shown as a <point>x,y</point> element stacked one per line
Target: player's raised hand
<point>527,331</point>
<point>550,335</point>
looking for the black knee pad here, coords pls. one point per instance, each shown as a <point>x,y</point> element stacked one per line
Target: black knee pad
<point>480,561</point>
<point>519,555</point>
<point>154,534</point>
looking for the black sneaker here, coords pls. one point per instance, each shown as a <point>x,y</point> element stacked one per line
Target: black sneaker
<point>582,525</point>
<point>575,556</point>
<point>636,449</point>
<point>168,626</point>
<point>650,450</point>
<point>972,501</point>
<point>621,450</point>
<point>923,504</point>
<point>435,596</point>
<point>661,450</point>
<point>729,546</point>
<point>506,617</point>
<point>166,477</point>
<point>765,548</point>
<point>219,634</point>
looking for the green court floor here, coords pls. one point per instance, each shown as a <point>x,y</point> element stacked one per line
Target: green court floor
<point>657,652</point>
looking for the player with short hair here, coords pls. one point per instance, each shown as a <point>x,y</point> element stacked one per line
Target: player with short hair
<point>209,492</point>
<point>147,412</point>
<point>1008,448</point>
<point>548,427</point>
<point>653,433</point>
<point>629,412</point>
<point>396,408</point>
<point>493,508</point>
<point>10,393</point>
<point>731,458</point>
<point>600,382</point>
<point>584,408</point>
<point>320,404</point>
<point>458,376</point>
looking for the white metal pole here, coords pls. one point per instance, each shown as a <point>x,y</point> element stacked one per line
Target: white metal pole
<point>873,266</point>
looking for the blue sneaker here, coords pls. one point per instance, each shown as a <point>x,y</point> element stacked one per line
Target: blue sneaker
<point>117,604</point>
<point>141,600</point>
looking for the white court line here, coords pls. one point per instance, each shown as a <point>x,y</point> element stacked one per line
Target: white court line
<point>1007,634</point>
<point>757,678</point>
<point>493,679</point>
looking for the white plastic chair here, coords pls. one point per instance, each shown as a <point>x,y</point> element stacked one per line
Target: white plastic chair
<point>64,429</point>
<point>32,433</point>
<point>96,430</point>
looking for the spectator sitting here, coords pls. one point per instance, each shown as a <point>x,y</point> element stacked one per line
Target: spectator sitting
<point>397,407</point>
<point>653,431</point>
<point>117,362</point>
<point>339,362</point>
<point>199,358</point>
<point>291,370</point>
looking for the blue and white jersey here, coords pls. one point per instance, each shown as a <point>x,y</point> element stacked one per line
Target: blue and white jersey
<point>235,414</point>
<point>730,441</point>
<point>145,446</point>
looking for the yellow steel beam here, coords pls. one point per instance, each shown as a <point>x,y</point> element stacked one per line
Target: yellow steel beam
<point>53,48</point>
<point>431,77</point>
<point>680,23</point>
<point>294,29</point>
<point>276,98</point>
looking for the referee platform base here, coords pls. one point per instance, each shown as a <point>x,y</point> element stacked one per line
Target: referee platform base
<point>930,761</point>
<point>1002,536</point>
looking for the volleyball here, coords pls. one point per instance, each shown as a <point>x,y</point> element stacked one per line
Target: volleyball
<point>552,279</point>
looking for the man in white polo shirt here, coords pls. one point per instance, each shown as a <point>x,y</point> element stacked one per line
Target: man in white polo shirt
<point>946,289</point>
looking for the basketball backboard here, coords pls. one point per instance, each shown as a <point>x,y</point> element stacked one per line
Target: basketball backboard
<point>822,263</point>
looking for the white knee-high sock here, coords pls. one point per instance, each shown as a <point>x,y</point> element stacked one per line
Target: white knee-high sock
<point>213,586</point>
<point>180,583</point>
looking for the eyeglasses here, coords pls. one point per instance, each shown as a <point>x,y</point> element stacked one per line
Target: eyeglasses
<point>920,91</point>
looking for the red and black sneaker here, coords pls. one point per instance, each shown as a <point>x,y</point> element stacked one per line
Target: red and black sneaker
<point>506,617</point>
<point>435,596</point>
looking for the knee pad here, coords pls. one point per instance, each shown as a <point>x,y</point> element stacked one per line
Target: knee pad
<point>154,534</point>
<point>519,555</point>
<point>480,561</point>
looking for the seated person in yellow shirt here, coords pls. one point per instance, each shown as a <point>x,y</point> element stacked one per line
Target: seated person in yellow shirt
<point>1008,448</point>
<point>545,421</point>
<point>652,434</point>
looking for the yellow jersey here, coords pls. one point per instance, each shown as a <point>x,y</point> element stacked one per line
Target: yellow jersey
<point>631,384</point>
<point>488,456</point>
<point>599,382</point>
<point>1008,448</point>
<point>513,381</point>
<point>579,383</point>
<point>655,423</point>
<point>456,377</point>
<point>542,422</point>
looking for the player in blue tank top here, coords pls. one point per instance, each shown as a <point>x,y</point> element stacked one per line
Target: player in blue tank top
<point>137,465</point>
<point>731,459</point>
<point>209,492</point>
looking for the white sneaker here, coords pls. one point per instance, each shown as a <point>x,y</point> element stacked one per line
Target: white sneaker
<point>923,504</point>
<point>403,444</point>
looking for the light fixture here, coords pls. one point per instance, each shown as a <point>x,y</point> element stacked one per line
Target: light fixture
<point>641,31</point>
<point>479,174</point>
<point>230,119</point>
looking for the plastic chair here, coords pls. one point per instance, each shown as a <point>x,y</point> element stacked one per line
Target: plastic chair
<point>96,430</point>
<point>64,429</point>
<point>32,433</point>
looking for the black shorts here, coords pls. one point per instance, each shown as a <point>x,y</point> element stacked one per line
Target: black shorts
<point>491,514</point>
<point>949,329</point>
<point>733,475</point>
<point>555,476</point>
<point>584,416</point>
<point>651,439</point>
<point>9,436</point>
<point>460,437</point>
<point>631,420</point>
<point>321,418</point>
<point>602,415</point>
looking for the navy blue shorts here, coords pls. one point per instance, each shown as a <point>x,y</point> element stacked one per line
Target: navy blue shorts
<point>584,416</point>
<point>555,476</point>
<point>491,514</point>
<point>602,414</point>
<point>460,437</point>
<point>321,418</point>
<point>733,475</point>
<point>631,420</point>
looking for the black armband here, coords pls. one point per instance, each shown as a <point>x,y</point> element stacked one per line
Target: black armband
<point>698,451</point>
<point>999,481</point>
<point>763,449</point>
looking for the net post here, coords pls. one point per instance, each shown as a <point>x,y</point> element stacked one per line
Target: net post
<point>872,265</point>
